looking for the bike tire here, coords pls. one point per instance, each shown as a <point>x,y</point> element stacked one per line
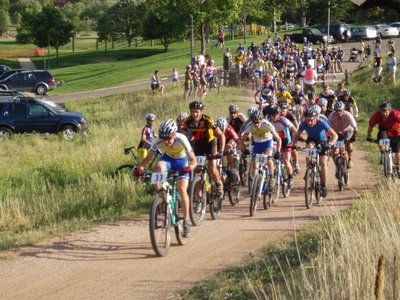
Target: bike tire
<point>340,172</point>
<point>243,171</point>
<point>309,189</point>
<point>254,195</point>
<point>387,170</point>
<point>317,187</point>
<point>198,205</point>
<point>178,227</point>
<point>215,207</point>
<point>125,170</point>
<point>274,193</point>
<point>160,227</point>
<point>285,184</point>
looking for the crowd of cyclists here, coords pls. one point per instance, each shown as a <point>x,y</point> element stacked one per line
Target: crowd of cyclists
<point>286,111</point>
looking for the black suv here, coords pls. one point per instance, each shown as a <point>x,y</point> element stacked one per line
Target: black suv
<point>340,32</point>
<point>27,115</point>
<point>37,81</point>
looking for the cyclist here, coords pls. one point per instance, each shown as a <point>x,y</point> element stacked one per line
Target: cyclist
<point>388,120</point>
<point>208,140</point>
<point>286,130</point>
<point>298,98</point>
<point>318,109</point>
<point>344,124</point>
<point>284,96</point>
<point>323,103</point>
<point>258,66</point>
<point>231,139</point>
<point>317,134</point>
<point>180,122</point>
<point>250,111</point>
<point>264,92</point>
<point>147,136</point>
<point>349,102</point>
<point>329,95</point>
<point>262,133</point>
<point>235,118</point>
<point>290,69</point>
<point>178,156</point>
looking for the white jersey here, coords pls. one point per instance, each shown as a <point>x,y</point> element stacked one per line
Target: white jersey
<point>179,149</point>
<point>262,134</point>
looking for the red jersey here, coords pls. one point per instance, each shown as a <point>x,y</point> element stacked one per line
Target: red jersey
<point>230,133</point>
<point>391,123</point>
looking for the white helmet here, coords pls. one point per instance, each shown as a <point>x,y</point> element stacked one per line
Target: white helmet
<point>322,102</point>
<point>317,108</point>
<point>150,117</point>
<point>251,110</point>
<point>297,87</point>
<point>167,128</point>
<point>181,117</point>
<point>222,123</point>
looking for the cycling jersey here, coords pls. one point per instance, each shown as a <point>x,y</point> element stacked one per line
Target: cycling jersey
<point>237,122</point>
<point>330,96</point>
<point>291,67</point>
<point>297,97</point>
<point>349,103</point>
<point>284,97</point>
<point>230,134</point>
<point>266,89</point>
<point>282,127</point>
<point>203,130</point>
<point>148,131</point>
<point>391,124</point>
<point>316,133</point>
<point>262,134</point>
<point>342,124</point>
<point>179,149</point>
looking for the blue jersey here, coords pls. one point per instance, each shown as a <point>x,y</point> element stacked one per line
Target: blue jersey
<point>317,133</point>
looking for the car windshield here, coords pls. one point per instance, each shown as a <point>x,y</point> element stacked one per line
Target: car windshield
<point>52,105</point>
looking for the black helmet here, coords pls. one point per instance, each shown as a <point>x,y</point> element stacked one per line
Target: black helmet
<point>311,112</point>
<point>346,93</point>
<point>385,106</point>
<point>283,105</point>
<point>311,95</point>
<point>257,116</point>
<point>196,105</point>
<point>274,110</point>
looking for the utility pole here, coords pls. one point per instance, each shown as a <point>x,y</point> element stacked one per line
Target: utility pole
<point>191,38</point>
<point>244,28</point>
<point>329,22</point>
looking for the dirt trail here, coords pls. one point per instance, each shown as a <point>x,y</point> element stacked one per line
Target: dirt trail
<point>116,261</point>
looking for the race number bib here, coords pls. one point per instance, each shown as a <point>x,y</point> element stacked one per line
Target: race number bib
<point>339,144</point>
<point>159,177</point>
<point>201,160</point>
<point>311,152</point>
<point>384,143</point>
<point>261,158</point>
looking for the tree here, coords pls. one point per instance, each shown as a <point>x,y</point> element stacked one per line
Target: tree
<point>340,11</point>
<point>47,28</point>
<point>127,16</point>
<point>105,30</point>
<point>20,7</point>
<point>4,16</point>
<point>165,21</point>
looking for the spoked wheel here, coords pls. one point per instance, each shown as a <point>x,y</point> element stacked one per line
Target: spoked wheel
<point>198,201</point>
<point>160,227</point>
<point>256,187</point>
<point>340,172</point>
<point>178,227</point>
<point>387,168</point>
<point>125,170</point>
<point>233,188</point>
<point>215,206</point>
<point>286,189</point>
<point>243,171</point>
<point>274,193</point>
<point>309,189</point>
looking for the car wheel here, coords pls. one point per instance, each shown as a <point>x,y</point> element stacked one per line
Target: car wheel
<point>5,133</point>
<point>41,89</point>
<point>68,133</point>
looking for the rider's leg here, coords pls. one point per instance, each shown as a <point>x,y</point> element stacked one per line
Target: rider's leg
<point>349,150</point>
<point>286,160</point>
<point>323,161</point>
<point>182,186</point>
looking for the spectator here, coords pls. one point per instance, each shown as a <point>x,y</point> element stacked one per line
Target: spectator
<point>175,77</point>
<point>188,82</point>
<point>240,48</point>
<point>221,39</point>
<point>201,58</point>
<point>227,59</point>
<point>156,83</point>
<point>310,76</point>
<point>392,66</point>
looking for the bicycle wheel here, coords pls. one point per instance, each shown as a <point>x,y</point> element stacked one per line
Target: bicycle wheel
<point>125,170</point>
<point>256,187</point>
<point>198,200</point>
<point>160,227</point>
<point>340,172</point>
<point>274,193</point>
<point>286,189</point>
<point>243,170</point>
<point>387,168</point>
<point>317,186</point>
<point>215,206</point>
<point>309,189</point>
<point>178,226</point>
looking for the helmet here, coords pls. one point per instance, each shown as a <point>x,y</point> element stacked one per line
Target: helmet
<point>317,108</point>
<point>196,105</point>
<point>311,112</point>
<point>283,105</point>
<point>346,93</point>
<point>167,128</point>
<point>256,116</point>
<point>233,108</point>
<point>274,110</point>
<point>297,87</point>
<point>322,102</point>
<point>251,110</point>
<point>151,117</point>
<point>267,79</point>
<point>181,117</point>
<point>339,106</point>
<point>222,123</point>
<point>385,106</point>
<point>282,88</point>
<point>311,95</point>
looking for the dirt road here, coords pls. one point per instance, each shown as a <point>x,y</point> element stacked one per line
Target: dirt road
<point>116,261</point>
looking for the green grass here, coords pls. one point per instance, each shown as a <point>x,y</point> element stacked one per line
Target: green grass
<point>50,186</point>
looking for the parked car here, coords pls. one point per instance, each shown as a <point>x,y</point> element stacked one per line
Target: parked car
<point>397,25</point>
<point>10,72</point>
<point>4,68</point>
<point>386,31</point>
<point>312,34</point>
<point>359,33</point>
<point>37,81</point>
<point>27,115</point>
<point>340,31</point>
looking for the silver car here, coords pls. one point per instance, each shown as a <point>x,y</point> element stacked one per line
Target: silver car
<point>359,33</point>
<point>386,31</point>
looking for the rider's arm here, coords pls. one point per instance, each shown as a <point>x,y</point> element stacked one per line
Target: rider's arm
<point>256,96</point>
<point>221,139</point>
<point>144,137</point>
<point>147,160</point>
<point>278,141</point>
<point>333,136</point>
<point>192,160</point>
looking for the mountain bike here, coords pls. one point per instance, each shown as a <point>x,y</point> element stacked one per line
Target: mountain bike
<point>165,212</point>
<point>390,169</point>
<point>231,181</point>
<point>312,189</point>
<point>244,168</point>
<point>341,161</point>
<point>284,180</point>
<point>260,185</point>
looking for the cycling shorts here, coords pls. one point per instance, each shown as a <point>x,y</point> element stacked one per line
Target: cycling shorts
<point>348,137</point>
<point>286,146</point>
<point>175,164</point>
<point>394,141</point>
<point>142,153</point>
<point>202,148</point>
<point>324,152</point>
<point>260,148</point>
